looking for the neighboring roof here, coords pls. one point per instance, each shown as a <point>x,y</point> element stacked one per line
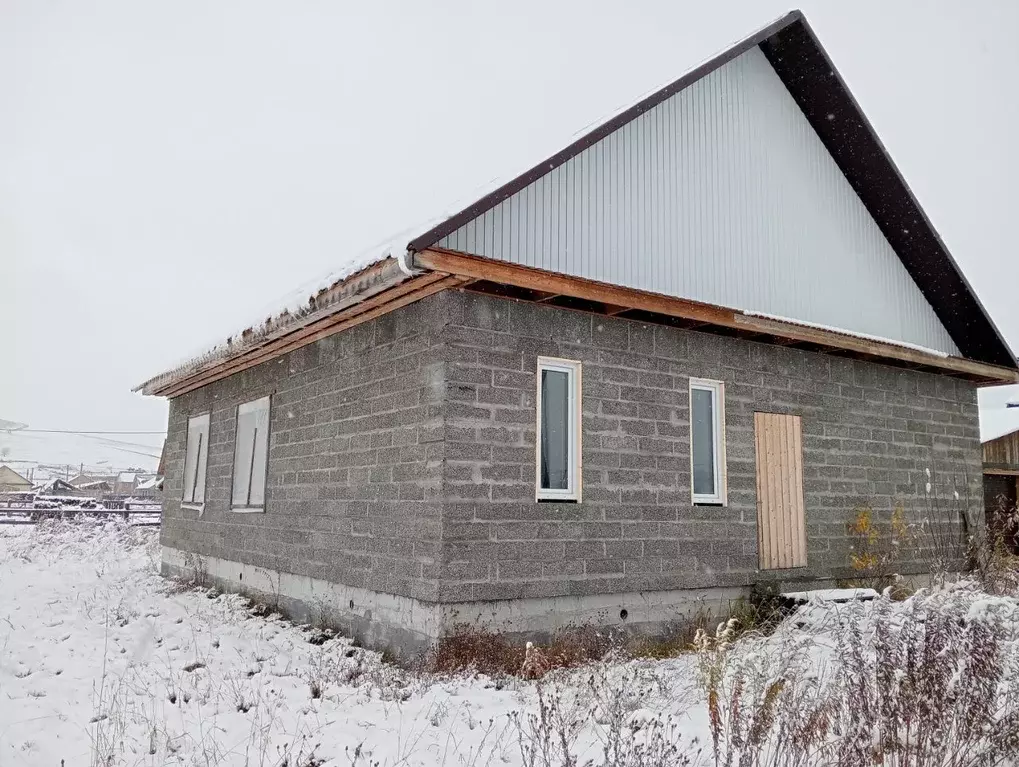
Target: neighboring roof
<point>805,69</point>
<point>153,483</point>
<point>98,484</point>
<point>80,480</point>
<point>56,484</point>
<point>9,476</point>
<point>1008,433</point>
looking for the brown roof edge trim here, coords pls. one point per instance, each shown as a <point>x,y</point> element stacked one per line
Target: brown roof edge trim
<point>510,188</point>
<point>803,65</point>
<point>396,297</point>
<point>477,268</point>
<point>343,294</point>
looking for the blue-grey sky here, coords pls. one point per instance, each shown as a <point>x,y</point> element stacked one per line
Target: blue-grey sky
<point>167,169</point>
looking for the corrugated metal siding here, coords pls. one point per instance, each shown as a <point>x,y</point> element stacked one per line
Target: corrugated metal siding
<point>722,193</point>
<point>781,518</point>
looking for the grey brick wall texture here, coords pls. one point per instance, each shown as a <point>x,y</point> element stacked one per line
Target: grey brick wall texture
<point>402,456</point>
<point>355,460</point>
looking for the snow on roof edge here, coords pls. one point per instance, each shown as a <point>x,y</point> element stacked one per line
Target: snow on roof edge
<point>853,333</point>
<point>294,305</point>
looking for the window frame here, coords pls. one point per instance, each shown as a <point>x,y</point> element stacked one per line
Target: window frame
<point>191,503</point>
<point>247,508</point>
<point>717,389</point>
<point>574,371</point>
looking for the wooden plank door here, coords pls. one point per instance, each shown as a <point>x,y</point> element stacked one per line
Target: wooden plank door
<point>781,520</point>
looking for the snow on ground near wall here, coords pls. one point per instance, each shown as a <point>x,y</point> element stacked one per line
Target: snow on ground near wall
<point>100,655</point>
<point>104,662</point>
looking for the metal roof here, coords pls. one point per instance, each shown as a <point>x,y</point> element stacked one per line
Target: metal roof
<point>804,67</point>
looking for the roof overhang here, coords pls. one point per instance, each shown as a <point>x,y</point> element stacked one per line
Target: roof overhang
<point>370,293</point>
<point>387,286</point>
<point>530,284</point>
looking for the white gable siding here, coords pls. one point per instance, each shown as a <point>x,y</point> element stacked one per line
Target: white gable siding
<point>724,194</point>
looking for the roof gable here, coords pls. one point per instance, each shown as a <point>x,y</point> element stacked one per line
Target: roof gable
<point>9,476</point>
<point>802,65</point>
<point>722,194</point>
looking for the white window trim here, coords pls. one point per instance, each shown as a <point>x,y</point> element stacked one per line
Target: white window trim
<point>192,504</point>
<point>573,369</point>
<point>245,407</point>
<point>717,389</point>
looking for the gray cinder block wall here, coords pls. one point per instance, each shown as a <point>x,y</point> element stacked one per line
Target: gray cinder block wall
<point>353,493</point>
<point>402,467</point>
<point>870,435</point>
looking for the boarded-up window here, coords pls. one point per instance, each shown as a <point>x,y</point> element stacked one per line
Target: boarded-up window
<point>251,455</point>
<point>196,456</point>
<point>781,522</point>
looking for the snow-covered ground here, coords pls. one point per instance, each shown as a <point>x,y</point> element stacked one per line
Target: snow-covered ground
<point>104,662</point>
<point>100,657</point>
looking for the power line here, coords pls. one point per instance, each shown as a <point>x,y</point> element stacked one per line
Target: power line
<point>71,431</point>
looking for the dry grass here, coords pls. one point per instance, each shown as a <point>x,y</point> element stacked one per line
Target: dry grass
<point>472,649</point>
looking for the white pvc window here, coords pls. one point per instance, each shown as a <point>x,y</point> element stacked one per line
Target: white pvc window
<point>251,452</point>
<point>707,441</point>
<point>558,440</point>
<point>196,458</point>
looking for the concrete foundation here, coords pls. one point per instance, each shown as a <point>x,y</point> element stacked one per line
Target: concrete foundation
<point>408,626</point>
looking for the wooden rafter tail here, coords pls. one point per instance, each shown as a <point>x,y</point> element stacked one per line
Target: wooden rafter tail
<point>355,289</point>
<point>506,273</point>
<point>694,313</point>
<point>401,295</point>
<point>878,349</point>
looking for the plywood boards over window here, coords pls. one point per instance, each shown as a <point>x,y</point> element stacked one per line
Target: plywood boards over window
<point>781,519</point>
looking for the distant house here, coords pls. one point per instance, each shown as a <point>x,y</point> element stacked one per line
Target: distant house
<point>149,487</point>
<point>11,481</point>
<point>98,489</point>
<point>84,479</point>
<point>663,365</point>
<point>125,483</point>
<point>57,486</point>
<point>1001,479</point>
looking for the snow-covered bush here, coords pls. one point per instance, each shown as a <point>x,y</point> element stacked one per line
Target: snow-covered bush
<point>928,681</point>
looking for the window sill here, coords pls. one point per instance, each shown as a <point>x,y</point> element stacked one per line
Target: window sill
<point>248,509</point>
<point>199,507</point>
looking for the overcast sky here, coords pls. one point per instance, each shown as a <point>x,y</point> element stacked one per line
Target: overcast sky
<point>167,169</point>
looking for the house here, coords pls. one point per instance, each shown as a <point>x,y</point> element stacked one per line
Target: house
<point>661,366</point>
<point>1001,484</point>
<point>125,483</point>
<point>149,486</point>
<point>11,481</point>
<point>97,488</point>
<point>57,486</point>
